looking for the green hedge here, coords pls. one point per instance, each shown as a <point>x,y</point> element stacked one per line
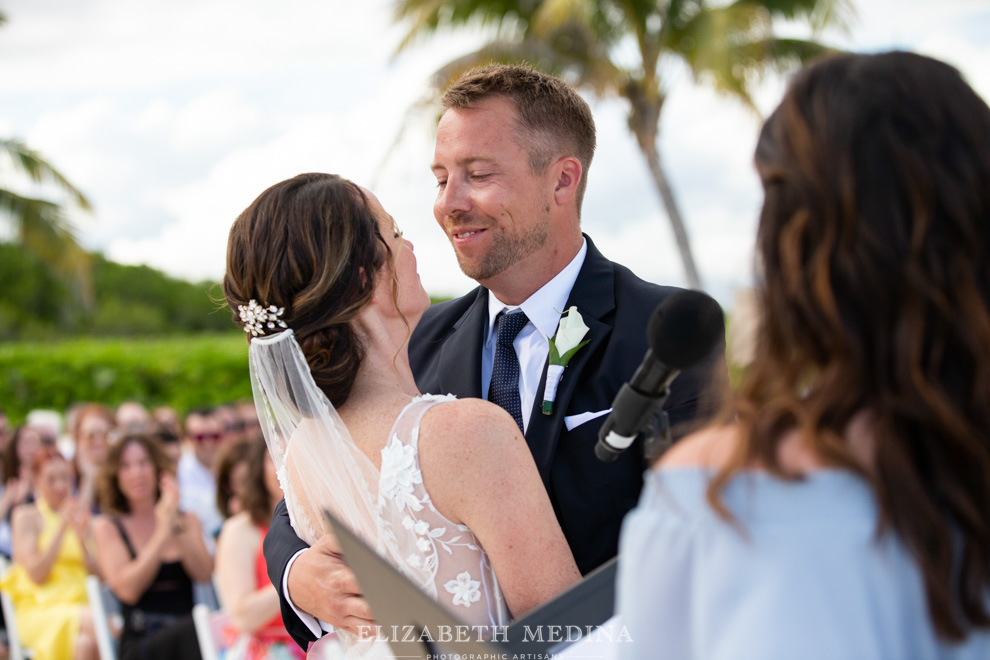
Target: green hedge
<point>183,371</point>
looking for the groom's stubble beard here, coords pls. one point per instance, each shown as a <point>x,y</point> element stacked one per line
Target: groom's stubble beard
<point>504,250</point>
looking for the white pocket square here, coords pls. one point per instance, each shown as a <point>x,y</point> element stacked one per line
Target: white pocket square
<point>574,421</point>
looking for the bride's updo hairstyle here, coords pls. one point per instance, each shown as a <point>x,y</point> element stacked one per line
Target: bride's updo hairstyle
<point>874,247</point>
<point>310,244</point>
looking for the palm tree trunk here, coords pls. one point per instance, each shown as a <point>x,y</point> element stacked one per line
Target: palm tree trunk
<point>652,156</point>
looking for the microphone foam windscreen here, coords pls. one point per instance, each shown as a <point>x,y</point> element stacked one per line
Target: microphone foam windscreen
<point>685,328</point>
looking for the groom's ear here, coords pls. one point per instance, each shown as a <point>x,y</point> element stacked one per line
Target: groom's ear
<point>568,175</point>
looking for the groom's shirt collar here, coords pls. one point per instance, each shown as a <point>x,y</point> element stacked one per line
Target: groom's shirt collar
<point>545,306</point>
<point>543,309</point>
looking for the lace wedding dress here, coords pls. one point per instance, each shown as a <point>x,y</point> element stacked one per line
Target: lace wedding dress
<point>319,466</point>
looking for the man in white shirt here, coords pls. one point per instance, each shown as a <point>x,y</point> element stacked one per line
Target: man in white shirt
<point>197,479</point>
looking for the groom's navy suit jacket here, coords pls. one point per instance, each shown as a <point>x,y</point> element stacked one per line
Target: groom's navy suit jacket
<point>590,497</point>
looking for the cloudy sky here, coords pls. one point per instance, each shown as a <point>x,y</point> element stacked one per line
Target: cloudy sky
<point>173,116</point>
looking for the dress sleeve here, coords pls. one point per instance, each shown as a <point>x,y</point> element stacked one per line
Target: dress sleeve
<point>654,583</point>
<point>799,572</point>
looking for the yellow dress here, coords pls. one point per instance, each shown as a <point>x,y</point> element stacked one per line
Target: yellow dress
<point>48,614</point>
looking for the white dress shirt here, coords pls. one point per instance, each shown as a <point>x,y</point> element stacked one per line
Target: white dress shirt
<point>543,309</point>
<point>198,494</point>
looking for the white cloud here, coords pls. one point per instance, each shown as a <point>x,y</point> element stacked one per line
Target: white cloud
<point>214,119</point>
<point>85,44</point>
<point>156,117</point>
<point>69,135</point>
<point>202,209</point>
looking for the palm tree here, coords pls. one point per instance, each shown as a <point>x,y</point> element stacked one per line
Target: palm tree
<point>40,225</point>
<point>590,44</point>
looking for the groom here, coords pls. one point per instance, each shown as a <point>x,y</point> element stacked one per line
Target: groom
<point>513,149</point>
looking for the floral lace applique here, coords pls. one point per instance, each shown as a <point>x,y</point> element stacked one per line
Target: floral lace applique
<point>427,537</point>
<point>465,590</point>
<point>399,474</point>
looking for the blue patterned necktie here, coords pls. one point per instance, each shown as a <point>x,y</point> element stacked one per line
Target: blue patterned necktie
<point>504,388</point>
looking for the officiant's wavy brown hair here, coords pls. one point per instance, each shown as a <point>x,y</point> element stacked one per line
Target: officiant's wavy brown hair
<point>874,243</point>
<point>312,245</point>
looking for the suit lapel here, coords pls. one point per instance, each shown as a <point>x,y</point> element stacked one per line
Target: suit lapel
<point>460,356</point>
<point>593,295</point>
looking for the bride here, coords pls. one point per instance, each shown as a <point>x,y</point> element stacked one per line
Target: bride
<point>326,288</point>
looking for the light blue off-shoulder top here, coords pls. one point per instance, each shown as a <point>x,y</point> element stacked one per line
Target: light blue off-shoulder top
<point>807,579</point>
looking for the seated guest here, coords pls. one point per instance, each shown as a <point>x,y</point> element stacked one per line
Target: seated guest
<point>132,417</point>
<point>170,443</point>
<point>252,601</point>
<point>51,560</point>
<point>166,417</point>
<point>197,470</point>
<point>149,551</point>
<point>232,469</point>
<point>844,512</point>
<point>17,482</point>
<point>18,455</point>
<point>248,416</point>
<point>92,425</point>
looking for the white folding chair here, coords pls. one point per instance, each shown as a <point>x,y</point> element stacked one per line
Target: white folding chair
<point>14,648</point>
<point>101,624</point>
<point>209,626</point>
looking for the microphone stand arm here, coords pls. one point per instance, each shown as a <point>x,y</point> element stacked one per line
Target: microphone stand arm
<point>657,435</point>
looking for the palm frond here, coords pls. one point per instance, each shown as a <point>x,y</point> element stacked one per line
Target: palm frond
<point>427,17</point>
<point>37,169</point>
<point>819,14</point>
<point>733,47</point>
<point>37,220</point>
<point>41,226</point>
<point>550,15</point>
<point>575,66</point>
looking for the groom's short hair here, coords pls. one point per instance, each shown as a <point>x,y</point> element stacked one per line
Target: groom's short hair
<point>554,120</point>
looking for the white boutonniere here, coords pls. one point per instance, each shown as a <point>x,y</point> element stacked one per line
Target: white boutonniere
<point>563,345</point>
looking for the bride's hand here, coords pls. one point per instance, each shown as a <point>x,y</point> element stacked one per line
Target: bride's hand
<point>322,585</point>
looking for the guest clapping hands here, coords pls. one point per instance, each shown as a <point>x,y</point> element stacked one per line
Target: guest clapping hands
<point>93,424</point>
<point>52,559</point>
<point>150,551</point>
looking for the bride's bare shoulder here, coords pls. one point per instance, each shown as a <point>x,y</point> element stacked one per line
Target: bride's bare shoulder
<point>470,452</point>
<point>468,430</point>
<point>468,416</point>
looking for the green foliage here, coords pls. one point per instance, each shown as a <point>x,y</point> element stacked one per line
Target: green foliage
<point>37,303</point>
<point>181,371</point>
<point>135,300</point>
<point>33,300</point>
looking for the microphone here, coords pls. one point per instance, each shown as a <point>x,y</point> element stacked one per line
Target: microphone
<point>683,330</point>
